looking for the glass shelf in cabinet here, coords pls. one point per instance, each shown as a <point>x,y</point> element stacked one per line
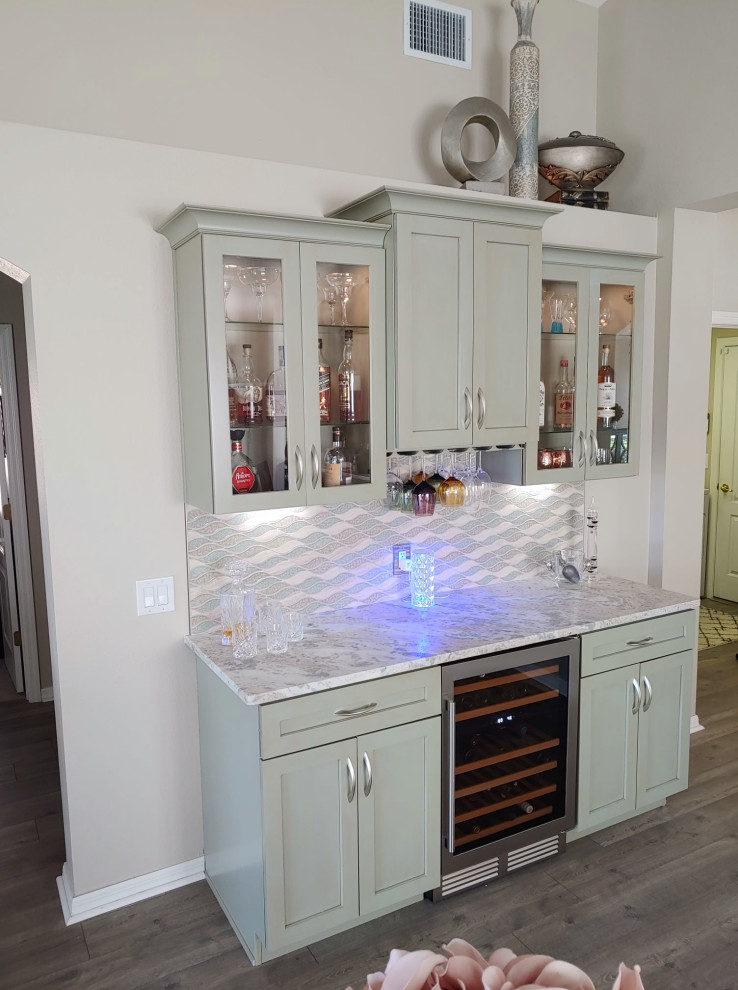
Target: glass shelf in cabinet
<point>548,431</point>
<point>337,327</point>
<point>622,335</point>
<point>254,327</point>
<point>342,422</point>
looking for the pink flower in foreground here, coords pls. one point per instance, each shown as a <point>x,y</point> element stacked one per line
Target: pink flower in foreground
<point>464,968</point>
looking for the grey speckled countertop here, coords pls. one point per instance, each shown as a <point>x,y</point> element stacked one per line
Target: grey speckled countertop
<point>359,644</point>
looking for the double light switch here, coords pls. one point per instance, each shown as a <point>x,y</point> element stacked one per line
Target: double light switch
<point>155,595</point>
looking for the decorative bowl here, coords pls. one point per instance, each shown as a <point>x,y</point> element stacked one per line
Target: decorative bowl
<point>579,161</point>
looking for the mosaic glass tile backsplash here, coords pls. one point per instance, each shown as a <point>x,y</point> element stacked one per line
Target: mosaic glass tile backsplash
<point>323,558</point>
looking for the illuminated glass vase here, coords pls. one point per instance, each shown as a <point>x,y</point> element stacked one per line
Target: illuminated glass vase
<point>422,578</point>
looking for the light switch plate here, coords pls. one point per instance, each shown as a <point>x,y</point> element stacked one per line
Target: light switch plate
<point>155,595</point>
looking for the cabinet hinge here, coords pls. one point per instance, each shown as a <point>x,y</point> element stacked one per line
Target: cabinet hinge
<point>7,514</point>
<point>17,638</point>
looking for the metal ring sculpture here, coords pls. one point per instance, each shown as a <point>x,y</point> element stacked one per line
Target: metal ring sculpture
<point>477,110</point>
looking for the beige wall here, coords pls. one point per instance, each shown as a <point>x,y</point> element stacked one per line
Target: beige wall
<point>668,76</point>
<point>725,274</point>
<point>323,83</point>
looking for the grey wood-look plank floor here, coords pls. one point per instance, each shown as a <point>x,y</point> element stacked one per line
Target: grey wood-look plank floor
<point>660,890</point>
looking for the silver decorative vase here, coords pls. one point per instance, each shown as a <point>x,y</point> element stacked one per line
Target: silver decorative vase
<point>524,75</point>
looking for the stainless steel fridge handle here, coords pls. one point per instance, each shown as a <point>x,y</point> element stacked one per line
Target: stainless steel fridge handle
<point>300,468</point>
<point>649,694</point>
<point>367,775</point>
<point>351,779</point>
<point>469,409</point>
<point>482,408</point>
<point>451,766</point>
<point>636,696</point>
<point>316,466</point>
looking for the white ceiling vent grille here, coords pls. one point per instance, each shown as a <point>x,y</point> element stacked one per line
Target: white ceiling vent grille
<point>439,32</point>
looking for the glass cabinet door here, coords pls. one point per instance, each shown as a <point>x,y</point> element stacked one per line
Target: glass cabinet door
<point>611,374</point>
<point>561,451</point>
<point>255,368</point>
<point>343,348</point>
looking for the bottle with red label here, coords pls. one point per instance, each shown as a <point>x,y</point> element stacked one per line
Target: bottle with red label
<point>243,474</point>
<point>324,385</point>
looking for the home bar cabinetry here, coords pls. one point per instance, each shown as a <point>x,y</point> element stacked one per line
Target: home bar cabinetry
<point>265,304</point>
<point>634,718</point>
<point>590,359</point>
<point>464,277</point>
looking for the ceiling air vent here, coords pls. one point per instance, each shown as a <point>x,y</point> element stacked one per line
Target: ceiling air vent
<point>439,32</point>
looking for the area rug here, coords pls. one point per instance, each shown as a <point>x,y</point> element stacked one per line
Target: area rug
<point>716,628</point>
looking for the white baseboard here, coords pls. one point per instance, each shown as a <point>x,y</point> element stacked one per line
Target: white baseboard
<point>89,905</point>
<point>47,694</point>
<point>695,724</point>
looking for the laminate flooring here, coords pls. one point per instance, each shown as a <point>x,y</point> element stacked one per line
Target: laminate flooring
<point>660,890</point>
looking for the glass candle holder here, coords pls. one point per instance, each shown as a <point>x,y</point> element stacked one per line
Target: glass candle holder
<point>422,578</point>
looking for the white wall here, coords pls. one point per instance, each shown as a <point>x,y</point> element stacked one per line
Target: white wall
<point>323,83</point>
<point>668,76</point>
<point>725,273</point>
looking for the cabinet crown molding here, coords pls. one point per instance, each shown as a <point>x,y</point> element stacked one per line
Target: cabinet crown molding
<point>457,204</point>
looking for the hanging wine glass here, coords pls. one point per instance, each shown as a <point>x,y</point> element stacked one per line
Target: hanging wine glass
<point>394,484</point>
<point>259,277</point>
<point>408,484</point>
<point>452,492</point>
<point>466,474</point>
<point>230,274</point>
<point>436,479</point>
<point>484,481</point>
<point>424,495</point>
<point>343,283</point>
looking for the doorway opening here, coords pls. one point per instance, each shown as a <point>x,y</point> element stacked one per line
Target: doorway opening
<point>23,606</point>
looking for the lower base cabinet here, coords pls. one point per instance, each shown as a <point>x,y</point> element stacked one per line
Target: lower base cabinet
<point>353,830</point>
<point>634,719</point>
<point>303,839</point>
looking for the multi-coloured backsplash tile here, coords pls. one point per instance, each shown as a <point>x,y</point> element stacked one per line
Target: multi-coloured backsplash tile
<point>320,558</point>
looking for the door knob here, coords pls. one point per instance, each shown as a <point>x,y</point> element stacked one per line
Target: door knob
<point>725,488</point>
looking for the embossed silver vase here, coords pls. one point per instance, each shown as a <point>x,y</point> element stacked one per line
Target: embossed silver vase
<point>524,74</point>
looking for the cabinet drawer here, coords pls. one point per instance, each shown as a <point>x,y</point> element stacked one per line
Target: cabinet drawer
<point>635,642</point>
<point>327,716</point>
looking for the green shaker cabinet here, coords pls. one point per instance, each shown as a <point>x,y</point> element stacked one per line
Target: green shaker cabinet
<point>464,276</point>
<point>353,830</point>
<point>634,718</point>
<point>322,811</point>
<point>592,312</point>
<point>266,306</point>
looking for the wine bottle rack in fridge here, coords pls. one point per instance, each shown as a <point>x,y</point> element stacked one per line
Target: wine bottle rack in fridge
<point>509,771</point>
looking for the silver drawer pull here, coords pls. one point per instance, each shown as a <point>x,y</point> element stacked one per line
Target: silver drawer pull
<point>640,642</point>
<point>367,775</point>
<point>349,712</point>
<point>351,780</point>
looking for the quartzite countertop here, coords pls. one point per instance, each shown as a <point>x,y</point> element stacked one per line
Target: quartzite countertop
<point>360,644</point>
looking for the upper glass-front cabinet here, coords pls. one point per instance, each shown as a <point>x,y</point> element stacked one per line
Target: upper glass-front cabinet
<point>281,353</point>
<point>590,367</point>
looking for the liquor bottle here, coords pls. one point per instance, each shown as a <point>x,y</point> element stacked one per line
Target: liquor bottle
<point>337,467</point>
<point>605,389</point>
<point>542,405</point>
<point>249,391</point>
<point>232,404</point>
<point>243,474</point>
<point>564,400</point>
<point>349,383</point>
<point>324,385</point>
<point>276,394</point>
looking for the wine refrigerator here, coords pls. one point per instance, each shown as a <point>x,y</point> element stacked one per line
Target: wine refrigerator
<point>509,761</point>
